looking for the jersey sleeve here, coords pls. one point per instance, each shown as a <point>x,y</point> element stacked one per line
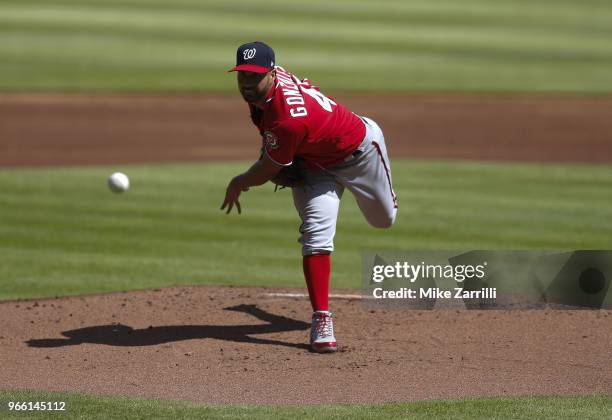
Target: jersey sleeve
<point>281,141</point>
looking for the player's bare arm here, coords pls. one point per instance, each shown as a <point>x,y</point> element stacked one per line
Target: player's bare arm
<point>258,174</point>
<point>253,86</point>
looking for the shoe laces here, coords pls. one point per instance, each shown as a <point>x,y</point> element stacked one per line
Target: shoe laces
<point>324,326</point>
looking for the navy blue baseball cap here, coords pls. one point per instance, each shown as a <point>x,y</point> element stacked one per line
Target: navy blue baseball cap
<point>257,57</point>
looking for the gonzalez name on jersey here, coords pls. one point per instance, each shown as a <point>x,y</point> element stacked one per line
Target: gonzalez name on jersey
<point>299,120</point>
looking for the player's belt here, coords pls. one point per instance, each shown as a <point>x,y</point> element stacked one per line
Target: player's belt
<point>355,153</point>
<point>359,149</point>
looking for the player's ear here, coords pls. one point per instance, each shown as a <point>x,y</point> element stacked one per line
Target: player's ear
<point>273,73</point>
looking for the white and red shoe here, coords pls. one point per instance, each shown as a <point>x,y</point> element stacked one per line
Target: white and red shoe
<point>322,338</point>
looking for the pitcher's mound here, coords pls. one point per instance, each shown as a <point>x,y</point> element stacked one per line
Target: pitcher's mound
<point>244,345</point>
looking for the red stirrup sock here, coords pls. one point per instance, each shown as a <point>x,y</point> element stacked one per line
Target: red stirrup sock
<point>317,270</point>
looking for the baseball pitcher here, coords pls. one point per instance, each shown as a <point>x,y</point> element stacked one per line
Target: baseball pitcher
<point>319,148</point>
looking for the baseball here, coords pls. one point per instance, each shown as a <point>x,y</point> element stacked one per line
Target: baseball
<point>118,182</point>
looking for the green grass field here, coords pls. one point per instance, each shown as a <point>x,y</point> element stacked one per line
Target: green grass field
<point>553,46</point>
<point>63,232</point>
<point>83,406</point>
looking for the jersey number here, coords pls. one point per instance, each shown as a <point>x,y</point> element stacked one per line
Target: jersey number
<point>323,100</point>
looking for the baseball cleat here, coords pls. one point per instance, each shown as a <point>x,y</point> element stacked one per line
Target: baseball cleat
<point>322,338</point>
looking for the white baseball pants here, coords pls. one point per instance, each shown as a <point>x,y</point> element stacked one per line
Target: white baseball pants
<point>366,174</point>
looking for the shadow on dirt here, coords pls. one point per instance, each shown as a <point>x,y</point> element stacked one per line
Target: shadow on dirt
<point>123,335</point>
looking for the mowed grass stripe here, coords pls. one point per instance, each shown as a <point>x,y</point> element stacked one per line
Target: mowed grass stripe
<point>540,407</point>
<point>511,210</point>
<point>514,46</point>
<point>62,227</point>
<point>502,42</point>
<point>331,28</point>
<point>570,14</point>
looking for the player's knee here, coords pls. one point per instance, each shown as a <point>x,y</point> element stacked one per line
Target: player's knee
<point>384,221</point>
<point>315,244</point>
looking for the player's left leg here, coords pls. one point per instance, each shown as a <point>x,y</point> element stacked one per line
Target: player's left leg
<point>368,177</point>
<point>317,204</point>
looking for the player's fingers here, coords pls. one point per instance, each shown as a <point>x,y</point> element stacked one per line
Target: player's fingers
<point>226,201</point>
<point>229,207</point>
<point>238,207</point>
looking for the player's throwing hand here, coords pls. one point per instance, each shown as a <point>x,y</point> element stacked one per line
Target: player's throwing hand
<point>233,191</point>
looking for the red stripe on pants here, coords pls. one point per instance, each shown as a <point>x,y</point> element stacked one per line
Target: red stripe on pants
<point>382,158</point>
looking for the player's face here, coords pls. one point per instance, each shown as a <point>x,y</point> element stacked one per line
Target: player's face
<point>254,86</point>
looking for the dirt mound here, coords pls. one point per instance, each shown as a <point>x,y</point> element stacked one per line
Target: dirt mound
<point>248,345</point>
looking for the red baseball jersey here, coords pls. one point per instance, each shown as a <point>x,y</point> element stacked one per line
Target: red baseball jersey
<point>298,120</point>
